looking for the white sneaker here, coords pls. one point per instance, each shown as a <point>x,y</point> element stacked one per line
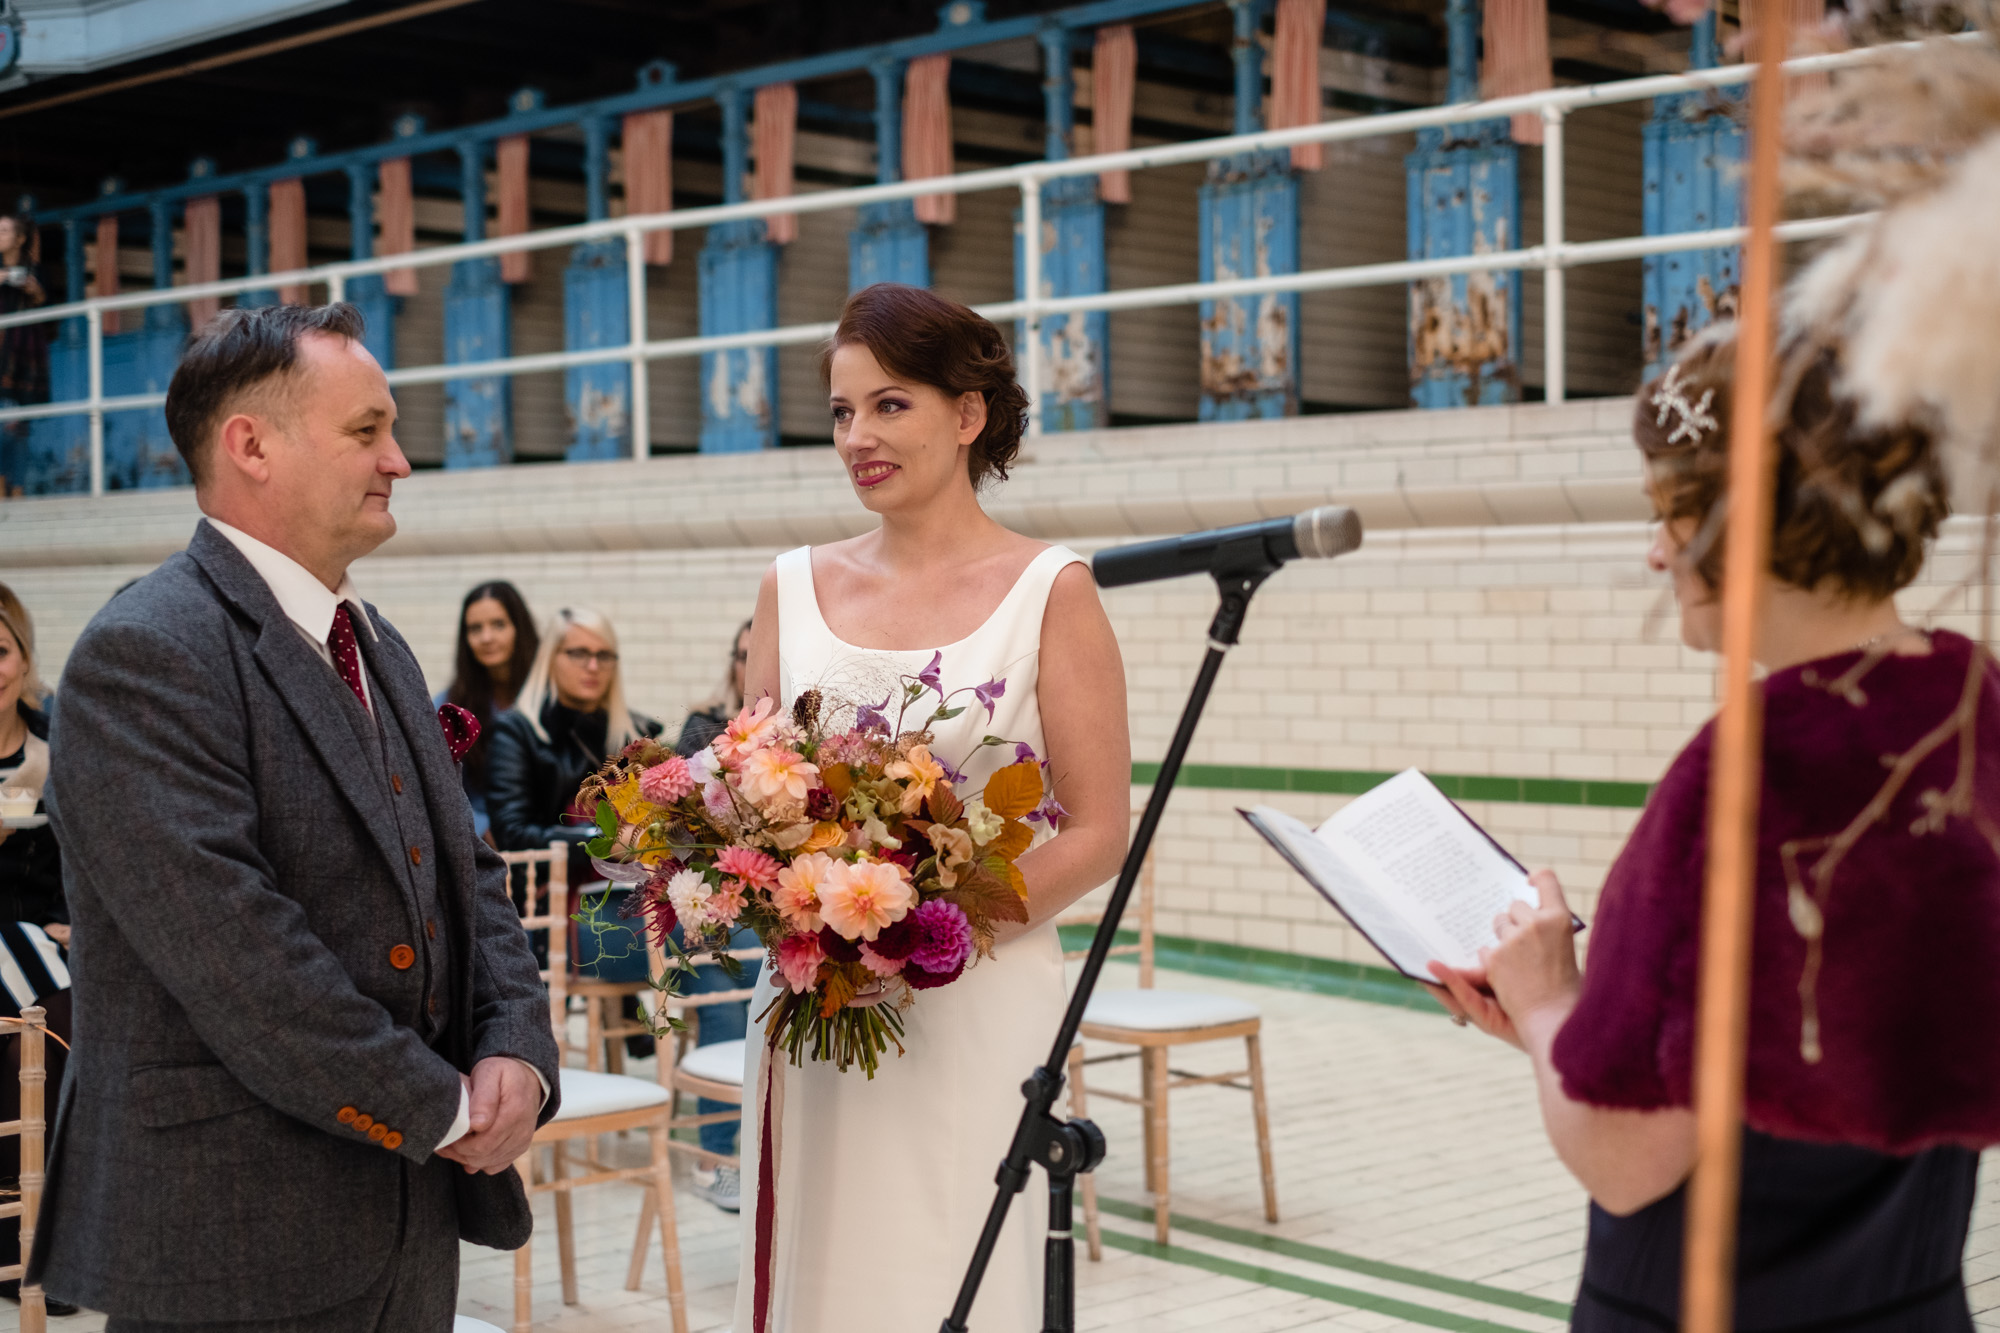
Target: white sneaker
<point>720,1187</point>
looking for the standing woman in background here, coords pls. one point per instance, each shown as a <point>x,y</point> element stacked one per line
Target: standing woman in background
<point>24,348</point>
<point>706,720</point>
<point>33,915</point>
<point>496,649</point>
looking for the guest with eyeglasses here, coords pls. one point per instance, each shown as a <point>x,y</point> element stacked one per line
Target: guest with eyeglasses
<point>496,650</point>
<point>706,719</point>
<point>568,717</point>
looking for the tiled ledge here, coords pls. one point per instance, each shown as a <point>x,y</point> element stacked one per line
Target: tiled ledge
<point>1477,467</point>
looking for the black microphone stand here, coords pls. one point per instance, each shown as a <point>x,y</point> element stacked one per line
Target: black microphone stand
<point>1064,1148</point>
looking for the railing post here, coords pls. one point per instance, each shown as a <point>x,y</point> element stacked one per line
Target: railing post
<point>635,296</point>
<point>94,350</point>
<point>1554,312</point>
<point>1031,299</point>
<point>368,291</point>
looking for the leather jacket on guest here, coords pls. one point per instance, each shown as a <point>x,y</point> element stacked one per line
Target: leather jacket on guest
<point>31,887</point>
<point>531,783</point>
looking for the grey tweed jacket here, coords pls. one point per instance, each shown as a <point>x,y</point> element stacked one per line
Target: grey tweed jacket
<point>235,882</point>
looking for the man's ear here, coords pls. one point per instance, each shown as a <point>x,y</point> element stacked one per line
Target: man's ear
<point>971,415</point>
<point>243,444</point>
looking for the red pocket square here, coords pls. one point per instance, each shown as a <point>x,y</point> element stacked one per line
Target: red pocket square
<point>461,729</point>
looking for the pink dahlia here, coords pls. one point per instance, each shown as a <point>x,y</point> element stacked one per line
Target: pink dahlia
<point>757,869</point>
<point>726,903</point>
<point>665,783</point>
<point>943,937</point>
<point>880,966</point>
<point>799,957</point>
<point>861,897</point>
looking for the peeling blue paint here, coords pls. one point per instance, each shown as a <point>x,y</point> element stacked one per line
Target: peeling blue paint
<point>478,413</point>
<point>1249,218</point>
<point>738,292</point>
<point>1693,148</point>
<point>888,244</point>
<point>1464,198</point>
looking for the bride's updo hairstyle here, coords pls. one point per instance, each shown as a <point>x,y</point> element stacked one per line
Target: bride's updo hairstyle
<point>919,336</point>
<point>1856,506</point>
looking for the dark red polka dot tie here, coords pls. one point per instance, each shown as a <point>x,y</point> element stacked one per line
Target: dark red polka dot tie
<point>346,652</point>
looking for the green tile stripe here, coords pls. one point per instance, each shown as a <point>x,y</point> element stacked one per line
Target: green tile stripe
<point>1270,967</point>
<point>1352,782</point>
<point>1305,1286</point>
<point>1353,1263</point>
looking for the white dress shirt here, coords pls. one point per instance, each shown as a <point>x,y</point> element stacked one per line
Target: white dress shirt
<point>309,605</point>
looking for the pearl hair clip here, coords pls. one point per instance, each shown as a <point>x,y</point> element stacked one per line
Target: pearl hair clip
<point>1694,417</point>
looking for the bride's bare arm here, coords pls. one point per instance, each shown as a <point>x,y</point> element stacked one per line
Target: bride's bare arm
<point>760,672</point>
<point>1082,698</point>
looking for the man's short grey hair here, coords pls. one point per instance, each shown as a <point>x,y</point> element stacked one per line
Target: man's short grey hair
<point>239,351</point>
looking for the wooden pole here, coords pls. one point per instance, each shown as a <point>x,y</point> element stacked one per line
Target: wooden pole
<point>1722,1020</point>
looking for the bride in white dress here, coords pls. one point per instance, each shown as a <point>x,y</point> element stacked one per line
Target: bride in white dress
<point>863,1212</point>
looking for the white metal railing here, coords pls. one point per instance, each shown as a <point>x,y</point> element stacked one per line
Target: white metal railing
<point>1552,257</point>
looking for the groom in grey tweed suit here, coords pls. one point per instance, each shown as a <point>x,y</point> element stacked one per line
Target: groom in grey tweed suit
<point>310,1037</point>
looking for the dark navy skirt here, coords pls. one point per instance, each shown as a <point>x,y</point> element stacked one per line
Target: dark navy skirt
<point>1832,1239</point>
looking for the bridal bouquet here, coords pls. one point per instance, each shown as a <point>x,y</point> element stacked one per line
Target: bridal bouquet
<point>853,855</point>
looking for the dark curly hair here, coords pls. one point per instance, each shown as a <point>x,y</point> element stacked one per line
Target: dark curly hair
<point>1856,506</point>
<point>918,335</point>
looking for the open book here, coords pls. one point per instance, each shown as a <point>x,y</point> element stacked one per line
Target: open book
<point>1413,873</point>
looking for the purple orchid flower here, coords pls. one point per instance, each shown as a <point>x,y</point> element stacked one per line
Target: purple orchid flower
<point>932,675</point>
<point>1048,812</point>
<point>870,717</point>
<point>988,693</point>
<point>1024,753</point>
<point>951,775</point>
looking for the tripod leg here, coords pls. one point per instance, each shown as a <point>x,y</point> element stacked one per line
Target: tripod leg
<point>1059,1259</point>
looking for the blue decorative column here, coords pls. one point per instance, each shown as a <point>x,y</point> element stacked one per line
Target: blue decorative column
<point>478,413</point>
<point>257,243</point>
<point>1075,347</point>
<point>888,244</point>
<point>597,313</point>
<point>738,286</point>
<point>1249,228</point>
<point>138,452</point>
<point>1464,198</point>
<point>58,448</point>
<point>366,292</point>
<point>1692,148</point>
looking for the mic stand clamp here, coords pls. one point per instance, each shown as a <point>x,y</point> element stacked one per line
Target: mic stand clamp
<point>1065,1148</point>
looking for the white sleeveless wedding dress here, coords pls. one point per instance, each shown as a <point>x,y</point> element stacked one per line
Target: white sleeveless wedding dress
<point>882,1185</point>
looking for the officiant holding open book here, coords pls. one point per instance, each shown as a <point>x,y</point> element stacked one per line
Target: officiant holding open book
<point>1874,1036</point>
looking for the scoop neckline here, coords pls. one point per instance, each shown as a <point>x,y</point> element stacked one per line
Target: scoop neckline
<point>812,591</point>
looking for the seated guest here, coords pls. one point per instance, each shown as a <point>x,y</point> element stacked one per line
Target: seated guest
<point>34,919</point>
<point>496,648</point>
<point>568,717</point>
<point>707,719</point>
<point>30,865</point>
<point>1874,1030</point>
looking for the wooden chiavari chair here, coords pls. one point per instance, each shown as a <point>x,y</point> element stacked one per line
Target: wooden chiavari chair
<point>1153,1022</point>
<point>31,1129</point>
<point>593,1103</point>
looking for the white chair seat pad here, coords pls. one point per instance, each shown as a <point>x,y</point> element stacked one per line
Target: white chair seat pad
<point>585,1094</point>
<point>717,1062</point>
<point>1166,1010</point>
<point>464,1324</point>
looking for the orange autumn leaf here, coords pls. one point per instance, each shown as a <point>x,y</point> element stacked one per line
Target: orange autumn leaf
<point>1011,841</point>
<point>1014,790</point>
<point>944,804</point>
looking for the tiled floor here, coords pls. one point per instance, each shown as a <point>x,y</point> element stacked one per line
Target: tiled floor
<point>1417,1190</point>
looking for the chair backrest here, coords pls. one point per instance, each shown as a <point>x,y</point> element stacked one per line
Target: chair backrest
<point>659,965</point>
<point>545,906</point>
<point>1141,908</point>
<point>30,1129</point>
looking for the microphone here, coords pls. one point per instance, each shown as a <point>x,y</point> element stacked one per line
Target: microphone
<point>1317,534</point>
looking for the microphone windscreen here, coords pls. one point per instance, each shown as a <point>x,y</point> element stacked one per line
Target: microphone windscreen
<point>1327,531</point>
